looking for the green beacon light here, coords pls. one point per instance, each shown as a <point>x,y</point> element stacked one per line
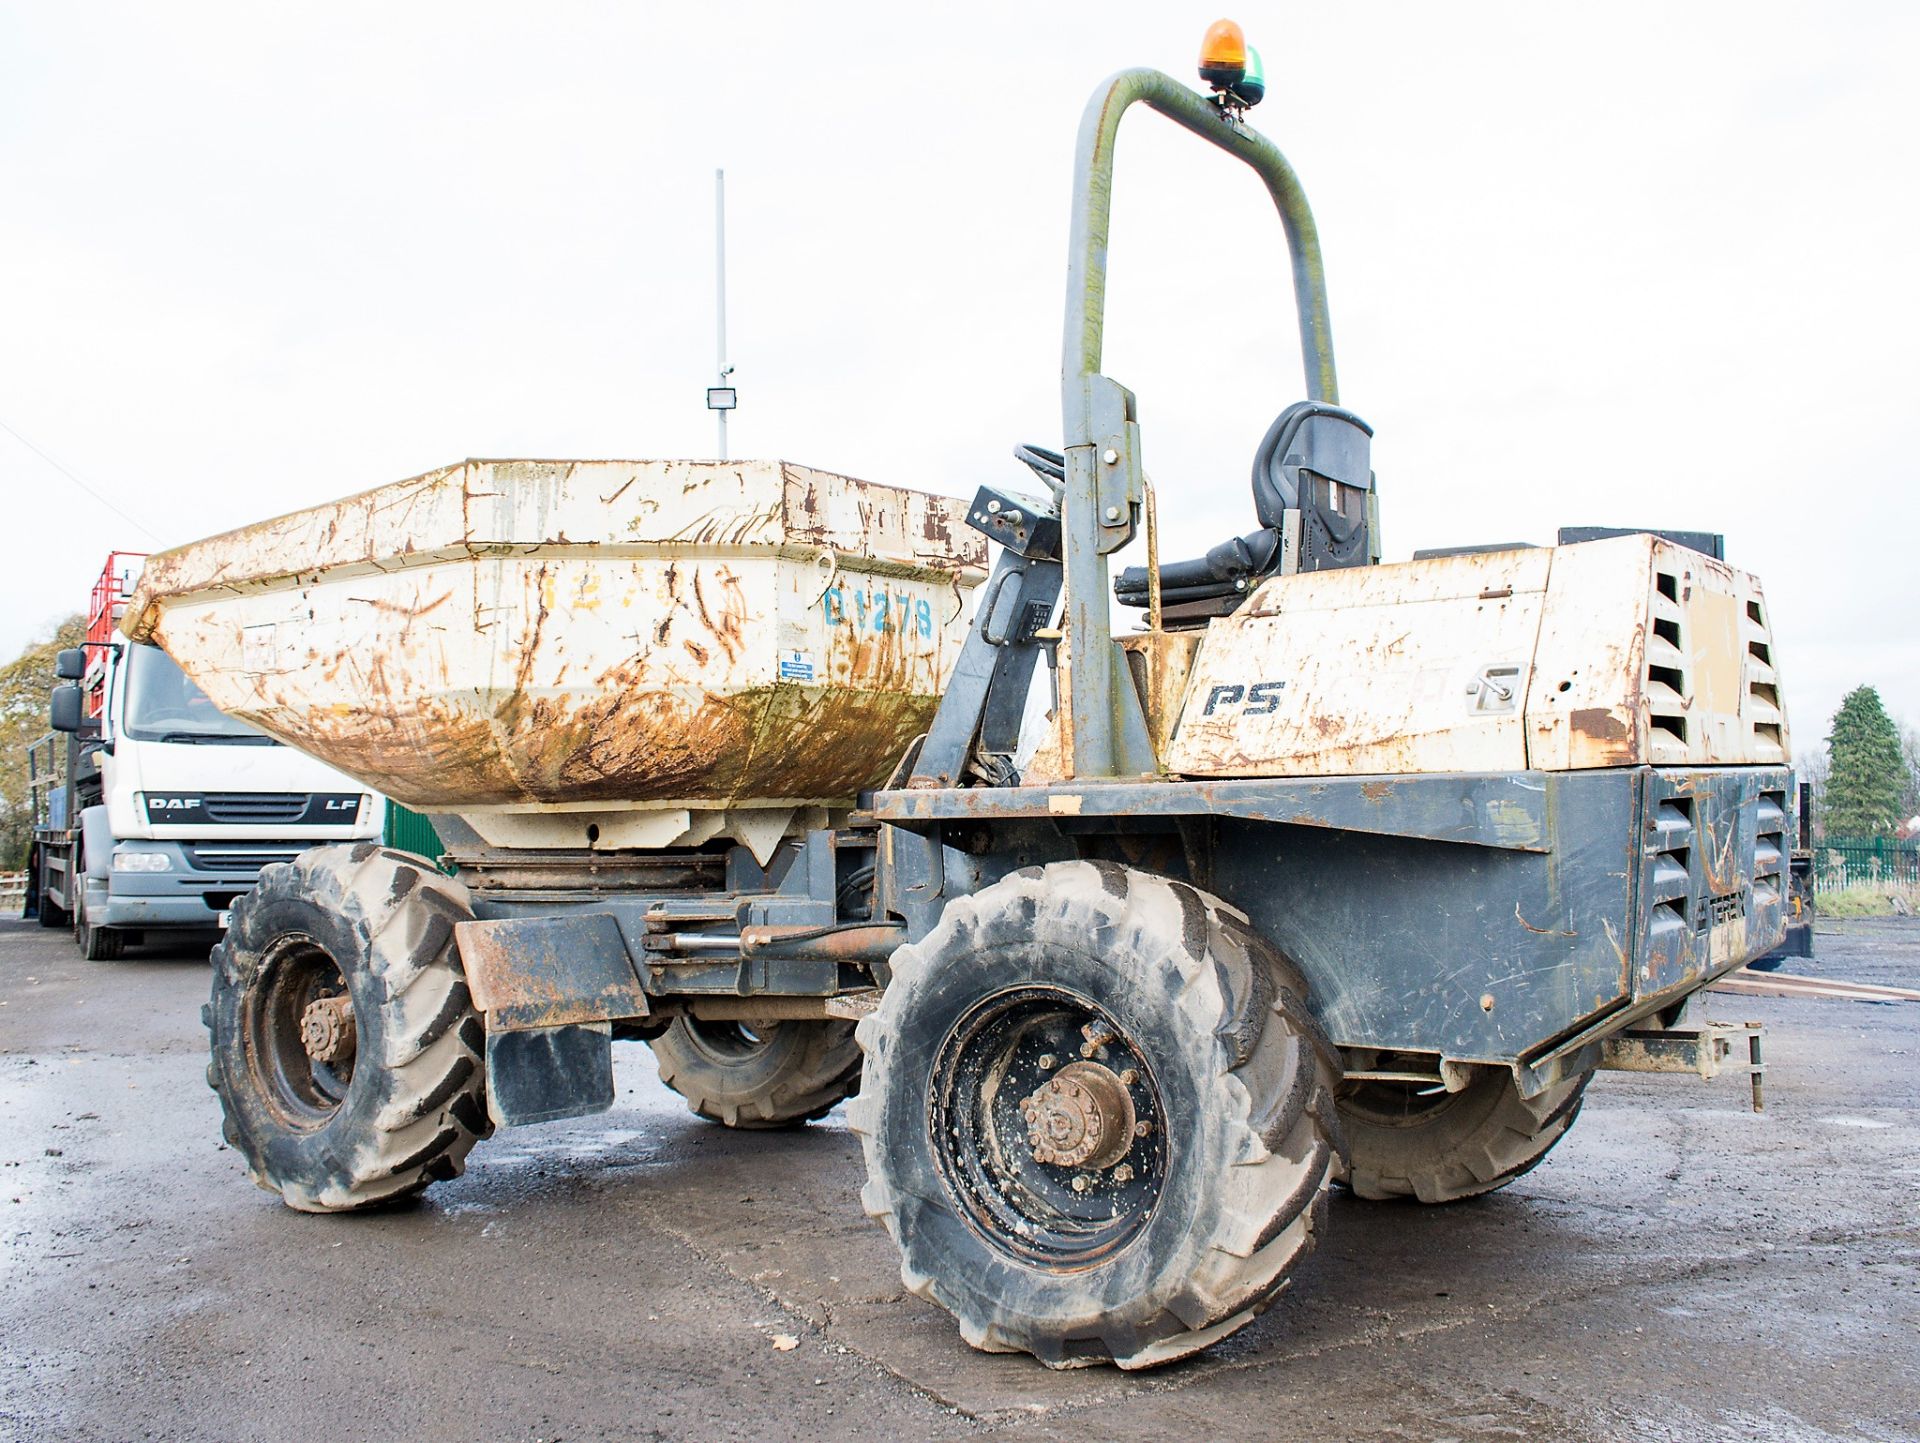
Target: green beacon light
<point>1251,88</point>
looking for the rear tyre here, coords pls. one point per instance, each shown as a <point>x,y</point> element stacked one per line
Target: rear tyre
<point>345,1049</point>
<point>1098,1119</point>
<point>1451,1145</point>
<point>50,912</point>
<point>760,1075</point>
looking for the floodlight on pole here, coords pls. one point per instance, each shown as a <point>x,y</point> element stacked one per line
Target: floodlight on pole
<point>721,398</point>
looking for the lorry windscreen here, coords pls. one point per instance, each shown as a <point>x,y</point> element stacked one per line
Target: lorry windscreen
<point>164,706</point>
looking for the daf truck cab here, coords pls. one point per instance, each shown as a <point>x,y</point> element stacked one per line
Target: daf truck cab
<point>163,809</point>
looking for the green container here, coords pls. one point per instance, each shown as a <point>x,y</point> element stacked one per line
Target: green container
<point>408,831</point>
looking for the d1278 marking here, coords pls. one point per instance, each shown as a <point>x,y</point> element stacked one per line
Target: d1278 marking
<point>876,610</point>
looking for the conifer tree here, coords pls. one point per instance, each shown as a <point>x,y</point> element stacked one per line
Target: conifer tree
<point>1868,773</point>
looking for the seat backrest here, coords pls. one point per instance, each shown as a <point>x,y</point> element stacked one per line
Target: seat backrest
<point>1318,460</point>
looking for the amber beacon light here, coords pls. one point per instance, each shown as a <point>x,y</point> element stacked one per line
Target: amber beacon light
<point>1223,55</point>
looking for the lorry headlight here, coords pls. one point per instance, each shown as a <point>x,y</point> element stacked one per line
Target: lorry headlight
<point>142,862</point>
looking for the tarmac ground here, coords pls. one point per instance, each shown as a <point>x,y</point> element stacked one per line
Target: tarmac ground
<point>1680,1268</point>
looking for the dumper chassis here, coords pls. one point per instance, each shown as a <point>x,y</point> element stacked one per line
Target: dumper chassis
<point>1120,1027</point>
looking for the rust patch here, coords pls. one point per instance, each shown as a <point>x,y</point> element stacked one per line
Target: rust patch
<point>1539,931</point>
<point>422,754</point>
<point>1598,723</point>
<point>1376,791</point>
<point>396,608</point>
<point>625,744</point>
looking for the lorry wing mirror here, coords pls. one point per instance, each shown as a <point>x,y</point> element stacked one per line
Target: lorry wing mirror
<point>65,713</point>
<point>70,664</point>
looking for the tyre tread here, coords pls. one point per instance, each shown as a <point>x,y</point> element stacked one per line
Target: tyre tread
<point>1451,1164</point>
<point>432,1110</point>
<point>822,1073</point>
<point>1278,1085</point>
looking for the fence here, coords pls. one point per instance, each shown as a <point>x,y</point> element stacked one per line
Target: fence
<point>13,893</point>
<point>1865,862</point>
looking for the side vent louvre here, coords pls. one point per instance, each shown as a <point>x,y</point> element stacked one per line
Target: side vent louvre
<point>1672,880</point>
<point>1770,849</point>
<point>1763,688</point>
<point>1666,685</point>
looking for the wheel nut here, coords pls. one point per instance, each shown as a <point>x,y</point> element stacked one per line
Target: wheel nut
<point>1080,1183</point>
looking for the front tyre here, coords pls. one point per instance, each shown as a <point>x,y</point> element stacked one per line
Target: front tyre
<point>96,944</point>
<point>346,1051</point>
<point>1097,1118</point>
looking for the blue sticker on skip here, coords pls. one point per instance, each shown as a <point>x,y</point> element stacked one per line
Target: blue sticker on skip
<point>796,666</point>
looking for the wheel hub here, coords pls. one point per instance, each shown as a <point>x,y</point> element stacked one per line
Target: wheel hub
<point>327,1030</point>
<point>1082,1116</point>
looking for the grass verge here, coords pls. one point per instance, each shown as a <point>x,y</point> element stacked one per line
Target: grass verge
<point>1871,901</point>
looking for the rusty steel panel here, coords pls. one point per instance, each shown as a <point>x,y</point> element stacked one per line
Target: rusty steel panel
<point>1415,667</point>
<point>1704,1048</point>
<point>560,636</point>
<point>539,972</point>
<point>1161,663</point>
<point>1653,653</point>
<point>1626,652</point>
<point>1701,1048</point>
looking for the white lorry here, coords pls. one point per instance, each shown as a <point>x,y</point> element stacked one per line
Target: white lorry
<point>153,809</point>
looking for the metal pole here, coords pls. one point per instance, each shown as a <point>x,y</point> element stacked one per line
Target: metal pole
<point>1100,435</point>
<point>720,291</point>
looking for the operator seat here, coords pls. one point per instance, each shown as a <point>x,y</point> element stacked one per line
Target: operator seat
<point>1313,493</point>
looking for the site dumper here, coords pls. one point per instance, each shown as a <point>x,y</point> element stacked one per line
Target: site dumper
<point>1333,872</point>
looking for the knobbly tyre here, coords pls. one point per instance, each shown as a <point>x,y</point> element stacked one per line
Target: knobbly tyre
<point>1333,873</point>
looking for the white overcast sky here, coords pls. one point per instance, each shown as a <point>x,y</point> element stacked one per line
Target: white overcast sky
<point>1646,264</point>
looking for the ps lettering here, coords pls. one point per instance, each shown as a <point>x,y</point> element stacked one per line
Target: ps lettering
<point>1260,699</point>
<point>1263,698</point>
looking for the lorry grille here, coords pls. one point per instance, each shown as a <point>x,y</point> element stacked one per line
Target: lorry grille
<point>237,858</point>
<point>238,808</point>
